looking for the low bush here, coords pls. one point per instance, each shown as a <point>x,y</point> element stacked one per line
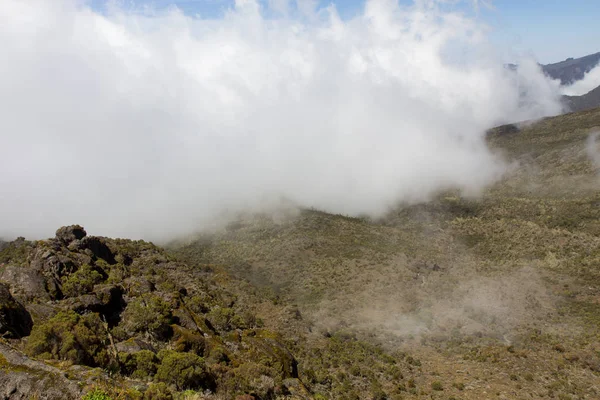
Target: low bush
<point>81,281</point>
<point>71,337</point>
<point>183,370</point>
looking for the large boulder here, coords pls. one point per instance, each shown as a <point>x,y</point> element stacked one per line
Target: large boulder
<point>26,284</point>
<point>67,234</point>
<point>15,321</point>
<point>22,378</point>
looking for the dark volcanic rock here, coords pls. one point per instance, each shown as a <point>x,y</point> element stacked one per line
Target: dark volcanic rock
<point>106,300</point>
<point>15,321</point>
<point>113,304</point>
<point>52,263</point>
<point>52,266</point>
<point>84,303</point>
<point>97,246</point>
<point>109,294</point>
<point>67,234</point>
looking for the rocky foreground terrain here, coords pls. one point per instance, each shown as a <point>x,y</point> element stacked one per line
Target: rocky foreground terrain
<point>488,297</point>
<point>96,312</point>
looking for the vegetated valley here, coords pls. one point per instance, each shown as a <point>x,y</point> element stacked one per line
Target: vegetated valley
<point>491,297</point>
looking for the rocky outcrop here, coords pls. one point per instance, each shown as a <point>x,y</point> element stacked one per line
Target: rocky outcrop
<point>127,307</point>
<point>26,284</point>
<point>97,248</point>
<point>68,234</point>
<point>22,378</point>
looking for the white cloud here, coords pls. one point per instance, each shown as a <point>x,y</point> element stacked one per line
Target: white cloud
<point>148,126</point>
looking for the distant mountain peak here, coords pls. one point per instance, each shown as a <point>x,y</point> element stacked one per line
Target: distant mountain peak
<point>571,69</point>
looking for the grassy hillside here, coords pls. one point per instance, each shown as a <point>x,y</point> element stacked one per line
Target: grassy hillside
<point>499,294</point>
<point>583,102</point>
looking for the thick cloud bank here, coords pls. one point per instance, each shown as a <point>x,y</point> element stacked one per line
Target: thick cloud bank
<point>147,125</point>
<point>590,81</point>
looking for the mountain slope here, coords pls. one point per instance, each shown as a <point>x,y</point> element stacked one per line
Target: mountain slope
<point>583,102</point>
<point>571,69</point>
<point>499,294</point>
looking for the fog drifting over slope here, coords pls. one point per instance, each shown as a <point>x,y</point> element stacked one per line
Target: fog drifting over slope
<point>147,125</point>
<point>590,81</point>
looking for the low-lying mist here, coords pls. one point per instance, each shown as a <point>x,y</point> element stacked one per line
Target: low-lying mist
<point>147,124</point>
<point>590,81</point>
<point>592,148</point>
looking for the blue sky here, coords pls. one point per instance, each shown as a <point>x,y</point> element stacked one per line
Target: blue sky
<point>550,29</point>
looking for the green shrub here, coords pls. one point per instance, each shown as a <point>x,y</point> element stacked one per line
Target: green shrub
<point>140,365</point>
<point>70,336</point>
<point>96,394</point>
<point>183,370</point>
<point>117,274</point>
<point>437,385</point>
<point>148,313</point>
<point>146,364</point>
<point>217,354</point>
<point>251,377</point>
<point>185,340</point>
<point>15,252</point>
<point>81,281</point>
<point>158,391</point>
<point>224,319</point>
